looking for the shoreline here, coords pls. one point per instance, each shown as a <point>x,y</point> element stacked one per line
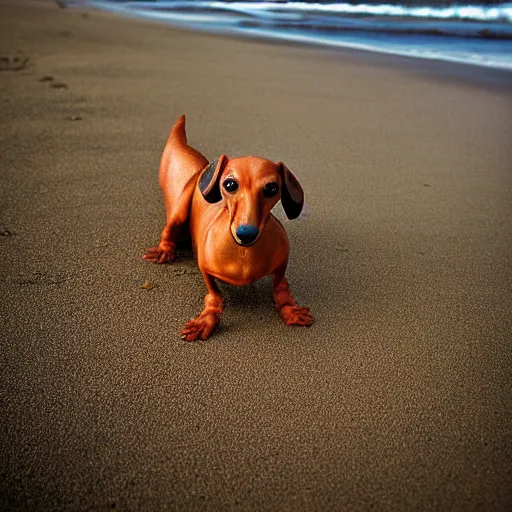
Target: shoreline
<point>433,44</point>
<point>456,70</point>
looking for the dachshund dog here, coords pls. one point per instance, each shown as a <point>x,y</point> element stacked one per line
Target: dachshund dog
<point>224,207</point>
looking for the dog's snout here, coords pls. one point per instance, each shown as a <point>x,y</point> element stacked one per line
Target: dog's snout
<point>247,233</point>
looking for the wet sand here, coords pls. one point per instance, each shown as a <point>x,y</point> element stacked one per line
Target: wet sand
<point>397,398</point>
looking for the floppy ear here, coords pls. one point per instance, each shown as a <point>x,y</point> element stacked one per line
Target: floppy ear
<point>209,179</point>
<point>292,195</point>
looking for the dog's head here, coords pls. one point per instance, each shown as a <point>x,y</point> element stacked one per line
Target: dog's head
<point>250,187</point>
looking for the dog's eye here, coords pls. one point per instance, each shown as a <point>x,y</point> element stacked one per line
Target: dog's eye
<point>230,185</point>
<point>270,189</point>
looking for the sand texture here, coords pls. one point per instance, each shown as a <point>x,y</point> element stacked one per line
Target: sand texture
<point>397,398</point>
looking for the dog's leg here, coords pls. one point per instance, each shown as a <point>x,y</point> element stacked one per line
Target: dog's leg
<point>165,251</point>
<point>177,216</point>
<point>286,304</point>
<point>202,326</point>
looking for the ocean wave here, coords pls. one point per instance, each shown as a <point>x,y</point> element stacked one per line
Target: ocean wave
<point>480,35</point>
<point>497,12</point>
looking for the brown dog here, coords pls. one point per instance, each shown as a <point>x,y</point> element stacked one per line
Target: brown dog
<point>224,206</point>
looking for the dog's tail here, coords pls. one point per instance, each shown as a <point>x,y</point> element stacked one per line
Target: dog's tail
<point>179,161</point>
<point>178,149</point>
<point>178,134</point>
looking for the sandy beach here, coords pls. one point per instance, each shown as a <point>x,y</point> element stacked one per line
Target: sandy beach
<point>397,398</point>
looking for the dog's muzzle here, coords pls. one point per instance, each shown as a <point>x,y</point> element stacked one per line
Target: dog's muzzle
<point>247,234</point>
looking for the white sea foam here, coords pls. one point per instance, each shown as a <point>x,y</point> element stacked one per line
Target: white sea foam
<point>466,12</point>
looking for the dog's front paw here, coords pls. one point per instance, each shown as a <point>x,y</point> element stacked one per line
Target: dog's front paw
<point>160,255</point>
<point>296,315</point>
<point>200,327</point>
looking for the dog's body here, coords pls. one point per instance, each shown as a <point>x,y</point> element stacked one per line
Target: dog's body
<point>224,207</point>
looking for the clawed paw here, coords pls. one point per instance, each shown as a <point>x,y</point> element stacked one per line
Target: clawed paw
<point>200,327</point>
<point>158,255</point>
<point>296,315</point>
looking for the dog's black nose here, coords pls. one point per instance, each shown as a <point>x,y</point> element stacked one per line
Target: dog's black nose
<point>247,233</point>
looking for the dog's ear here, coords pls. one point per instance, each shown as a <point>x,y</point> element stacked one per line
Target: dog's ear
<point>209,179</point>
<point>292,195</point>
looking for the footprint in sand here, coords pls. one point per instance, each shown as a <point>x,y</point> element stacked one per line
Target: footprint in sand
<point>13,63</point>
<point>59,85</point>
<point>53,84</point>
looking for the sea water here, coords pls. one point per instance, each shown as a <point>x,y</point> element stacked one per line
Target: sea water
<point>478,34</point>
